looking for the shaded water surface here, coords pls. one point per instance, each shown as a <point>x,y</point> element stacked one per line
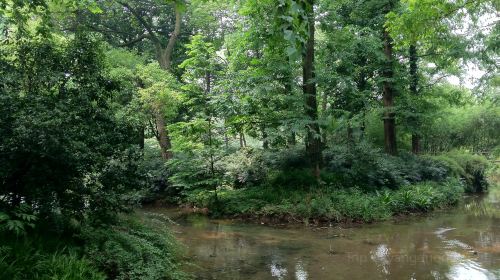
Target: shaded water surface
<point>460,243</point>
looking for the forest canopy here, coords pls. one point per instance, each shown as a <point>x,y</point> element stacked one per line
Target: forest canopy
<point>238,106</point>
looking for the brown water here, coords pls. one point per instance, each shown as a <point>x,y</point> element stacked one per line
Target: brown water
<point>460,243</point>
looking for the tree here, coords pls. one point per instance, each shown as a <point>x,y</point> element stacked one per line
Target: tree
<point>141,20</point>
<point>350,57</point>
<point>198,141</point>
<point>389,89</point>
<point>298,27</point>
<point>63,150</point>
<point>413,58</point>
<point>313,139</point>
<point>158,91</point>
<point>431,30</point>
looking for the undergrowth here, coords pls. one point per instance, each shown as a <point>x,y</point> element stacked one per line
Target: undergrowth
<point>331,204</point>
<point>29,258</point>
<point>134,249</point>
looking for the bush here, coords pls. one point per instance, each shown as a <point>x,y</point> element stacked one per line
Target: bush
<point>133,250</point>
<point>245,167</point>
<point>18,220</point>
<point>426,196</point>
<point>157,173</point>
<point>355,205</point>
<point>327,203</point>
<point>369,168</point>
<point>63,149</point>
<point>473,127</point>
<point>290,169</point>
<point>293,178</point>
<point>26,259</point>
<point>468,167</point>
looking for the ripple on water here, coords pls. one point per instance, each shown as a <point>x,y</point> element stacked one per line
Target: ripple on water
<point>470,270</point>
<point>441,231</point>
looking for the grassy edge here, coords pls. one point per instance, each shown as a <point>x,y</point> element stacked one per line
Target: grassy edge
<point>321,205</point>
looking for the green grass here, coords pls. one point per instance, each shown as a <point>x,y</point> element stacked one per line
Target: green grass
<point>329,204</point>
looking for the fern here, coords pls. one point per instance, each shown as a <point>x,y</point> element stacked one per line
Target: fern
<point>18,220</point>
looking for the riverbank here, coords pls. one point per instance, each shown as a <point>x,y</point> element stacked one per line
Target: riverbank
<point>326,205</point>
<point>454,243</point>
<point>365,188</point>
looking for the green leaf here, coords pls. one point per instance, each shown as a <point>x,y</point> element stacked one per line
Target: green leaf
<point>291,51</point>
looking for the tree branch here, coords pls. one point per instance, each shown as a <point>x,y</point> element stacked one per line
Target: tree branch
<point>173,36</point>
<point>141,20</point>
<point>135,40</point>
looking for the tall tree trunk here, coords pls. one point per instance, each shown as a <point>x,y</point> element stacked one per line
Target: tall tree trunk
<point>226,139</point>
<point>313,140</point>
<point>363,127</point>
<point>212,157</point>
<point>208,82</point>
<point>388,97</point>
<point>142,131</point>
<point>163,137</point>
<point>164,59</point>
<point>166,53</point>
<point>415,137</point>
<point>265,141</point>
<point>291,141</point>
<point>362,86</point>
<point>350,138</point>
<point>288,80</point>
<point>324,105</point>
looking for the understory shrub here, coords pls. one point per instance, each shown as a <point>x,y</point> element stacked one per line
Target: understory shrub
<point>134,250</point>
<point>245,167</point>
<point>470,168</point>
<point>369,168</point>
<point>426,196</point>
<point>156,173</point>
<point>293,178</point>
<point>22,259</point>
<point>358,166</point>
<point>327,203</point>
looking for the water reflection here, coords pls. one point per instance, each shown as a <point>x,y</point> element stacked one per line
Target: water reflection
<point>462,243</point>
<point>381,256</point>
<point>469,270</point>
<point>278,271</point>
<point>300,272</point>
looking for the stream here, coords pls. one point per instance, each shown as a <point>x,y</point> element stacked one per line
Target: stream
<point>458,243</point>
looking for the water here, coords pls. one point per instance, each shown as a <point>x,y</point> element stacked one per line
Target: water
<point>459,243</point>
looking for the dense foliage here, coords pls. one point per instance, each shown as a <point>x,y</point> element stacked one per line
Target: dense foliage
<point>27,260</point>
<point>134,249</point>
<point>63,147</point>
<point>308,110</point>
<point>330,205</point>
